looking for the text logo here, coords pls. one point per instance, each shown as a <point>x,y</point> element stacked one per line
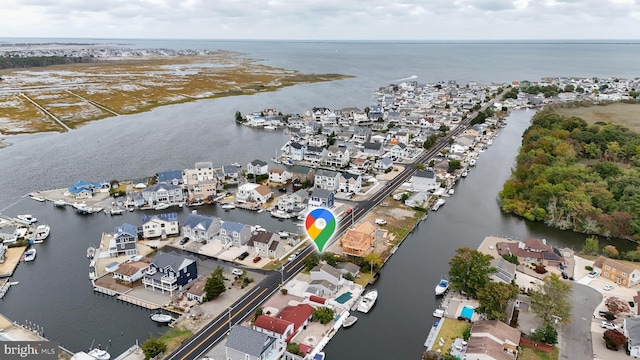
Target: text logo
<point>38,350</point>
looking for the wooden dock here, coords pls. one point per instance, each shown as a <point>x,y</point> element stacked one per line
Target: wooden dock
<point>4,287</point>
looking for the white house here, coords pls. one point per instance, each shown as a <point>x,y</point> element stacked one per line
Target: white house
<point>278,328</point>
<point>337,156</point>
<point>631,330</point>
<point>400,152</point>
<point>257,167</point>
<point>160,225</point>
<point>296,151</point>
<point>163,193</point>
<point>248,344</point>
<point>350,183</point>
<point>203,171</point>
<point>130,272</point>
<point>265,244</point>
<point>424,180</point>
<point>279,176</point>
<point>326,179</point>
<point>374,149</point>
<point>251,192</point>
<point>201,228</point>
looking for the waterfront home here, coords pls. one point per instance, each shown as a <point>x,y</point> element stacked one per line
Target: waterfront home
<point>359,240</point>
<point>375,113</point>
<point>265,244</point>
<point>361,134</point>
<point>631,328</point>
<point>278,328</point>
<point>197,290</point>
<point>285,203</point>
<point>169,272</point>
<point>257,167</point>
<point>251,192</point>
<point>360,118</point>
<point>295,151</point>
<point>321,288</point>
<point>310,127</point>
<point>317,140</point>
<point>384,164</point>
<point>201,228</point>
<point>279,176</point>
<point>417,199</point>
<point>231,173</point>
<point>234,233</point>
<point>160,225</point>
<point>315,154</point>
<point>532,250</point>
<point>400,152</point>
<point>337,156</point>
<point>300,315</point>
<point>322,198</point>
<point>350,183</point>
<point>327,180</point>
<point>130,272</point>
<point>302,173</point>
<point>84,189</point>
<point>201,190</point>
<point>124,241</point>
<point>492,340</point>
<point>326,272</point>
<point>424,180</point>
<point>9,234</point>
<point>350,268</point>
<point>172,177</point>
<point>506,271</point>
<point>163,193</point>
<point>319,113</point>
<point>300,197</point>
<point>624,274</point>
<point>456,148</point>
<point>361,164</point>
<point>247,344</point>
<point>374,149</point>
<point>203,170</point>
<point>134,200</point>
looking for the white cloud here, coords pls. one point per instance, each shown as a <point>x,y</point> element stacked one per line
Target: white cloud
<point>322,19</point>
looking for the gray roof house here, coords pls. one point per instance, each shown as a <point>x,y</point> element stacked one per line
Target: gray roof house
<point>173,177</point>
<point>236,233</point>
<point>124,241</point>
<point>169,272</point>
<point>373,149</point>
<point>247,344</point>
<point>506,270</point>
<point>631,328</point>
<point>201,228</point>
<point>326,272</point>
<point>230,172</point>
<point>163,193</point>
<point>348,268</point>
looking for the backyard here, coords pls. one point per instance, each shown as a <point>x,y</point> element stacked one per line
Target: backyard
<point>450,330</point>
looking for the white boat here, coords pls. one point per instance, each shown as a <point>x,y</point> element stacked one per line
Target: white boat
<point>116,211</point>
<point>437,204</point>
<point>438,313</point>
<point>42,232</point>
<point>228,206</point>
<point>99,354</point>
<point>269,127</point>
<point>367,302</point>
<point>489,142</point>
<point>30,254</point>
<point>451,191</point>
<point>36,198</point>
<point>59,203</point>
<point>472,162</point>
<point>349,321</point>
<point>161,206</point>
<point>442,287</point>
<point>161,318</point>
<point>196,203</point>
<point>91,252</point>
<point>280,214</point>
<point>27,218</point>
<point>464,174</point>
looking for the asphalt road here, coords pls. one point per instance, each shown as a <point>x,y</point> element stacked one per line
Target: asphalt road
<point>576,340</point>
<point>196,346</point>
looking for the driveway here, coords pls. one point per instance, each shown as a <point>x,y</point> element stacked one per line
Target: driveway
<point>575,337</point>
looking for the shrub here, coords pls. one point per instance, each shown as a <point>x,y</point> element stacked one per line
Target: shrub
<point>588,268</point>
<point>540,269</point>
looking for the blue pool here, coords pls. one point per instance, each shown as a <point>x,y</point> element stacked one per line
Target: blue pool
<point>344,297</point>
<point>467,312</point>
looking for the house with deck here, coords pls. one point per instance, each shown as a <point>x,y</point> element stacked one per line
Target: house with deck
<point>124,241</point>
<point>197,290</point>
<point>169,273</point>
<point>532,250</point>
<point>84,189</point>
<point>327,179</point>
<point>315,154</point>
<point>171,177</point>
<point>272,326</point>
<point>130,272</point>
<point>279,176</point>
<point>251,192</point>
<point>202,170</point>
<point>350,183</point>
<point>322,198</point>
<point>337,156</point>
<point>201,228</point>
<point>160,225</point>
<point>492,340</point>
<point>248,344</point>
<point>163,193</point>
<point>234,233</point>
<point>374,149</point>
<point>257,167</point>
<point>424,180</point>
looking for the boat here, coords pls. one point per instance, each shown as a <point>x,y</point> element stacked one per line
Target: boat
<point>27,218</point>
<point>30,254</point>
<point>319,356</point>
<point>196,203</point>
<point>42,232</point>
<point>489,142</point>
<point>280,214</point>
<point>116,211</point>
<point>451,191</point>
<point>99,354</point>
<point>349,321</point>
<point>161,206</point>
<point>464,174</point>
<point>269,127</point>
<point>161,318</point>
<point>59,203</point>
<point>472,162</point>
<point>37,198</point>
<point>442,287</point>
<point>228,206</point>
<point>367,302</point>
<point>91,252</point>
<point>437,204</point>
<point>439,313</point>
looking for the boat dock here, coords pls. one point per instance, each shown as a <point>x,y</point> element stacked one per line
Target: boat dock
<point>4,287</point>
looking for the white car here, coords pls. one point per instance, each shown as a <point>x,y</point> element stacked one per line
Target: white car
<point>607,287</point>
<point>292,257</point>
<point>593,274</point>
<point>381,221</point>
<point>608,325</point>
<point>237,272</point>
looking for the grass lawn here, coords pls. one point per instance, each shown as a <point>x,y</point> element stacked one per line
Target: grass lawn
<point>174,337</point>
<point>619,113</point>
<point>363,279</point>
<point>450,330</point>
<point>528,353</point>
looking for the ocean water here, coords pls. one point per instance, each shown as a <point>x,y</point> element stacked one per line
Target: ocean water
<point>54,290</point>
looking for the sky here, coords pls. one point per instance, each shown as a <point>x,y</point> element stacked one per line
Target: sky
<point>323,19</point>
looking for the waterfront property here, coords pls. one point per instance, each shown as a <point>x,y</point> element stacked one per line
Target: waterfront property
<point>160,225</point>
<point>322,198</point>
<point>265,244</point>
<point>201,228</point>
<point>532,250</point>
<point>130,272</point>
<point>251,192</point>
<point>492,340</point>
<point>124,241</point>
<point>163,193</point>
<point>247,344</point>
<point>359,240</point>
<point>234,233</point>
<point>169,272</point>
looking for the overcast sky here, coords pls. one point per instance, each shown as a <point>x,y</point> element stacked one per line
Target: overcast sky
<point>323,19</point>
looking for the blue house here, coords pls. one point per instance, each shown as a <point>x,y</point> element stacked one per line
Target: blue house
<point>172,177</point>
<point>170,272</point>
<point>85,189</point>
<point>201,228</point>
<point>322,198</point>
<point>124,240</point>
<point>235,233</point>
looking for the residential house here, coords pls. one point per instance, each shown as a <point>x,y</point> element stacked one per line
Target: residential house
<point>361,134</point>
<point>124,241</point>
<point>416,199</point>
<point>361,165</point>
<point>506,271</point>
<point>319,113</point>
<point>326,272</point>
<point>624,274</point>
<point>172,177</point>
<point>321,288</point>
<point>201,190</point>
<point>337,156</point>
<point>203,171</point>
<point>299,315</point>
<point>350,183</point>
<point>248,344</point>
<point>374,149</point>
<point>322,198</point>
<point>402,137</point>
<point>160,225</point>
<point>197,290</point>
<point>631,328</point>
<point>400,152</point>
<point>295,151</point>
<point>360,118</point>
<point>164,193</point>
<point>279,176</point>
<point>315,154</point>
<point>532,250</point>
<point>384,164</point>
<point>83,189</point>
<point>231,173</point>
<point>257,168</point>
<point>130,272</point>
<point>235,233</point>
<point>300,197</point>
<point>359,240</point>
<point>201,228</point>
<point>169,272</point>
<point>350,268</point>
<point>265,244</point>
<point>251,192</point>
<point>493,340</point>
<point>278,328</point>
<point>458,149</point>
<point>424,180</point>
<point>317,140</point>
<point>327,179</point>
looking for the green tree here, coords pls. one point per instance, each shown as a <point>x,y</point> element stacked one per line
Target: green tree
<point>454,165</point>
<point>550,301</point>
<point>494,299</point>
<point>258,312</point>
<point>569,88</point>
<point>511,258</point>
<point>322,314</point>
<point>329,258</point>
<point>404,197</point>
<point>293,348</point>
<point>469,270</point>
<point>371,261</point>
<point>311,261</point>
<point>546,334</point>
<point>591,246</point>
<point>634,94</point>
<point>215,284</point>
<point>420,167</point>
<point>152,347</point>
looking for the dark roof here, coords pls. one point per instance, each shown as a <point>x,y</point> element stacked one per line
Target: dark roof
<point>166,217</point>
<point>249,341</point>
<point>229,169</point>
<point>263,237</point>
<point>296,145</point>
<point>194,220</point>
<point>173,260</point>
<point>168,176</point>
<point>258,162</point>
<point>312,148</point>
<point>373,146</point>
<point>321,193</point>
<point>425,174</point>
<point>125,229</point>
<point>232,226</point>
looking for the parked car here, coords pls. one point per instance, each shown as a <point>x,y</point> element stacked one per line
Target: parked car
<point>243,255</point>
<point>298,252</point>
<point>256,259</point>
<point>349,210</point>
<point>593,274</point>
<point>608,325</point>
<point>237,272</point>
<point>607,315</point>
<point>381,221</point>
<point>385,204</point>
<point>564,275</point>
<point>184,240</point>
<point>607,287</point>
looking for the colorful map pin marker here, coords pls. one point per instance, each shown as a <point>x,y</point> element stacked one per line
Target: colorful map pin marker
<point>320,224</point>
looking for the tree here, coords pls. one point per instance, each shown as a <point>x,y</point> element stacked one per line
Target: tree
<point>454,165</point>
<point>152,347</point>
<point>616,306</point>
<point>293,348</point>
<point>494,299</point>
<point>404,197</point>
<point>215,284</point>
<point>311,261</point>
<point>329,258</point>
<point>431,355</point>
<point>591,246</point>
<point>322,314</point>
<point>420,167</point>
<point>371,261</point>
<point>546,334</point>
<point>469,270</point>
<point>258,312</point>
<point>550,300</point>
<point>611,251</point>
<point>614,339</point>
<point>511,258</point>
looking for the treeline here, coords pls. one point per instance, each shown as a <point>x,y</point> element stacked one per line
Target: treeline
<point>8,62</point>
<point>576,176</point>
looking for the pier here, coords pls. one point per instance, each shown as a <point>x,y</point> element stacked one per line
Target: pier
<point>46,112</point>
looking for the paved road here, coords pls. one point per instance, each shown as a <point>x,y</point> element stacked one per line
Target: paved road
<point>576,336</point>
